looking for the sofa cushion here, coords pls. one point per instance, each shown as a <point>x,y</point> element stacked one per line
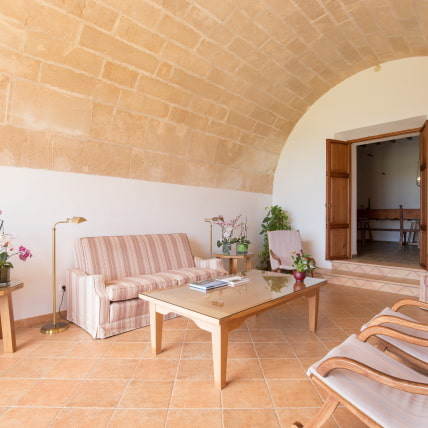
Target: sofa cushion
<point>168,251</point>
<point>112,256</point>
<point>130,287</point>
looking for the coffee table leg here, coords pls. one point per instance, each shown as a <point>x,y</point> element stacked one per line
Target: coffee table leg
<point>156,324</point>
<point>313,302</point>
<point>220,338</point>
<point>7,323</point>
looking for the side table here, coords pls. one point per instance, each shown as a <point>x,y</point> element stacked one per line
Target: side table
<point>7,322</point>
<point>233,260</point>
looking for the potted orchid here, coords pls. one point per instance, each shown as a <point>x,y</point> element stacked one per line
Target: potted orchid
<point>242,242</point>
<point>7,251</point>
<point>227,229</point>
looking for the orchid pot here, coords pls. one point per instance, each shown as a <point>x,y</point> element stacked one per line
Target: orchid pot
<point>241,248</point>
<point>4,275</point>
<point>226,247</point>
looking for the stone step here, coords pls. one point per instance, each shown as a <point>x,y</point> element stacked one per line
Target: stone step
<point>383,269</point>
<point>372,281</point>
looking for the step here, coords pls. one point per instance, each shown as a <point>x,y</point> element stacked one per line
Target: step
<point>372,281</point>
<point>385,269</point>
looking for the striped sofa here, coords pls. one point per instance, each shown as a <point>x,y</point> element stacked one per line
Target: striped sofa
<point>111,271</point>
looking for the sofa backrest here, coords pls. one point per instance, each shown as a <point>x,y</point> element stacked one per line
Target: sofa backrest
<point>117,257</point>
<point>168,251</point>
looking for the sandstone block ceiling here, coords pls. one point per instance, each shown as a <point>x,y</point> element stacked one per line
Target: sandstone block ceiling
<point>195,92</point>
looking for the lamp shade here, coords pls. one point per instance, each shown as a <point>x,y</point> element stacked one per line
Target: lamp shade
<point>76,220</point>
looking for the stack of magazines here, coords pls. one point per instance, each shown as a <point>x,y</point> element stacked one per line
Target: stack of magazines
<point>207,284</point>
<point>233,280</point>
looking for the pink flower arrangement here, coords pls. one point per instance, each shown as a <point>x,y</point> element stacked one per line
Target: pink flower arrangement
<point>303,262</point>
<point>7,250</point>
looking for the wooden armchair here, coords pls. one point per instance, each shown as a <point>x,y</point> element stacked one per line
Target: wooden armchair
<point>375,387</point>
<point>399,334</point>
<point>281,245</point>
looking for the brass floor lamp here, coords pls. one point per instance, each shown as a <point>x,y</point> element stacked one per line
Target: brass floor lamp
<point>57,327</point>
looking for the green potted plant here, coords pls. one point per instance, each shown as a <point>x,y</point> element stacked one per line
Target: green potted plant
<point>302,263</point>
<point>275,219</point>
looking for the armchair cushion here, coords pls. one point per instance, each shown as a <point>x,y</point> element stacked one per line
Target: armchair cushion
<point>386,405</point>
<point>281,245</point>
<point>419,352</point>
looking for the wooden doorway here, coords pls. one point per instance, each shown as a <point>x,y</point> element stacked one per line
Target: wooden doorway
<point>339,193</point>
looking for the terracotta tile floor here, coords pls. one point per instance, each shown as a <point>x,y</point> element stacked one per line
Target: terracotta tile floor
<point>71,380</point>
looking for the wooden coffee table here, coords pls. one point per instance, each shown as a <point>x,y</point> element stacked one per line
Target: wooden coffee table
<point>225,309</point>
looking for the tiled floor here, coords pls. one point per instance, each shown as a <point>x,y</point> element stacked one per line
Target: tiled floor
<point>71,380</point>
<point>386,251</point>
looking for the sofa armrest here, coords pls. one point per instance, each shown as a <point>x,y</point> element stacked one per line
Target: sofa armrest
<point>88,304</point>
<point>213,263</point>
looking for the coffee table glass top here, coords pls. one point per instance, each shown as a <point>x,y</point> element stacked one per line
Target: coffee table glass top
<point>263,286</point>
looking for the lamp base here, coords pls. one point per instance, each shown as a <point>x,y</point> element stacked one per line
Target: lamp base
<point>54,328</point>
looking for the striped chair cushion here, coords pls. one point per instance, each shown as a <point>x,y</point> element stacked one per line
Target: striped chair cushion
<point>113,256</point>
<point>168,251</point>
<point>387,406</point>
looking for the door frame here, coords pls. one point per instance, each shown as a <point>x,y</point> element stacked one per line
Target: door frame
<point>352,142</point>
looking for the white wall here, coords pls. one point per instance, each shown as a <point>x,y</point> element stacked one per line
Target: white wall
<point>33,200</point>
<point>398,91</point>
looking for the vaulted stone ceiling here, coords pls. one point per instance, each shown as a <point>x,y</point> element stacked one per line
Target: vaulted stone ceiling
<point>197,92</point>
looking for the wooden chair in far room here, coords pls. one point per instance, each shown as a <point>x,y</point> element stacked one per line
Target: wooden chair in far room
<point>281,245</point>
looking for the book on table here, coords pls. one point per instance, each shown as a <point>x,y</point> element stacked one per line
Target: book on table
<point>233,280</point>
<point>207,284</point>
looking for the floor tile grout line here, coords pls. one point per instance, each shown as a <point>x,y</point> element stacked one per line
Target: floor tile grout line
<point>131,378</point>
<point>175,377</point>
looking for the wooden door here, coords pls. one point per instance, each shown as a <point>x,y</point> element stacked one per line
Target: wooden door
<point>338,200</point>
<point>423,150</point>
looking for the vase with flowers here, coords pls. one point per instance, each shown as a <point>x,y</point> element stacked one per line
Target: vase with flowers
<point>227,229</point>
<point>302,263</point>
<point>7,251</point>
